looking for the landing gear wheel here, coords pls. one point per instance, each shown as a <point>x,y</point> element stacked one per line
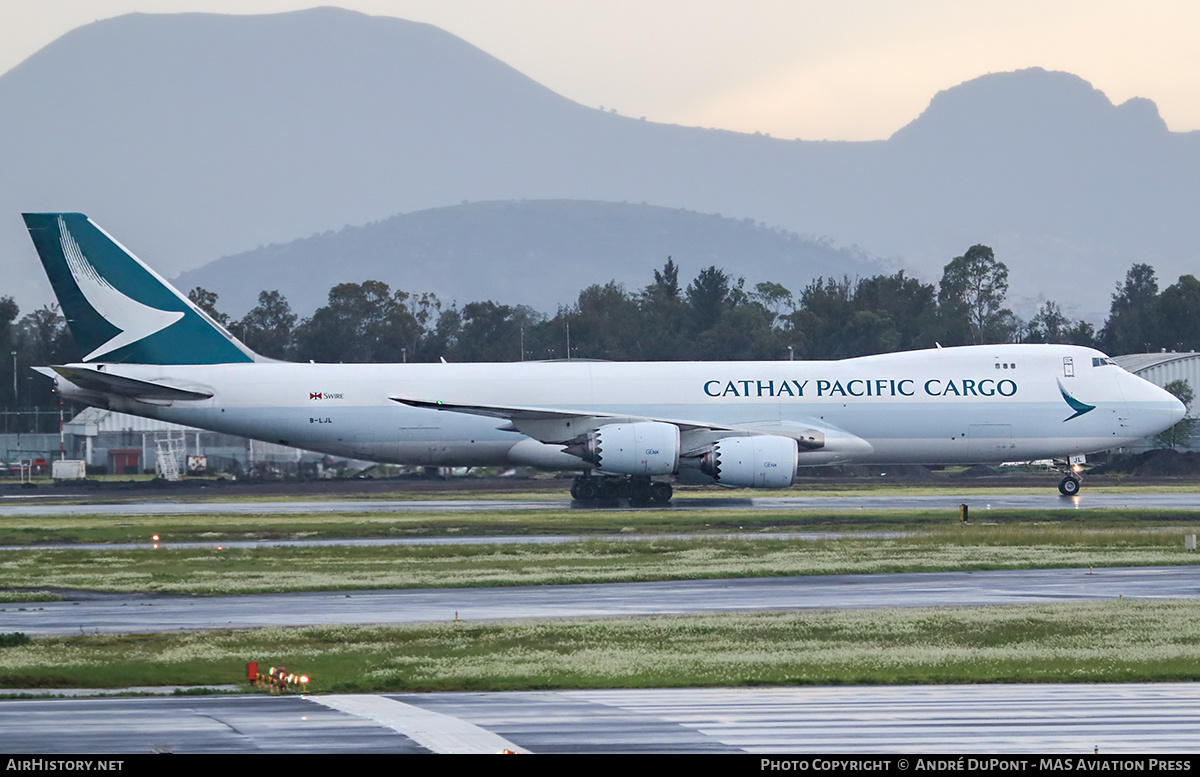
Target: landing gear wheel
<point>588,490</point>
<point>575,488</point>
<point>660,491</point>
<point>1069,486</point>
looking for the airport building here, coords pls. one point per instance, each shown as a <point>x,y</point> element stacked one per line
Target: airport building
<point>120,444</point>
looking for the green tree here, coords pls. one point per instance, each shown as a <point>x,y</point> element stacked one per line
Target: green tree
<point>774,297</point>
<point>363,322</point>
<point>8,343</point>
<point>441,337</point>
<point>707,299</point>
<point>971,299</point>
<point>838,319</point>
<point>41,338</point>
<point>1051,325</point>
<point>744,331</point>
<point>489,332</point>
<point>1181,433</point>
<point>814,328</point>
<point>207,301</point>
<point>709,295</point>
<point>267,328</point>
<point>1133,318</point>
<point>909,304</point>
<point>604,324</point>
<point>661,316</point>
<point>666,283</point>
<point>1179,315</point>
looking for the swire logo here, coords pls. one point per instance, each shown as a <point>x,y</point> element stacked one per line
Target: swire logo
<point>323,395</point>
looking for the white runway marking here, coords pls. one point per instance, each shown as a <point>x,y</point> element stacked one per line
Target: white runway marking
<point>433,730</point>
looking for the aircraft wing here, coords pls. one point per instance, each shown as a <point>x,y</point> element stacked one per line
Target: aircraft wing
<point>96,379</point>
<point>562,427</point>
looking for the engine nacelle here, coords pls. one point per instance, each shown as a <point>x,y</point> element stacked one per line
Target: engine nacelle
<point>752,462</point>
<point>644,448</point>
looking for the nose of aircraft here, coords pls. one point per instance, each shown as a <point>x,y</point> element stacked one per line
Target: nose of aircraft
<point>1152,409</point>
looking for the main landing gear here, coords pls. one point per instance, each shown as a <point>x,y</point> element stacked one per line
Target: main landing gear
<point>1069,485</point>
<point>608,488</point>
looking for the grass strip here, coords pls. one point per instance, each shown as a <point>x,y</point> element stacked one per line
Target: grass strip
<point>221,527</point>
<point>323,568</point>
<point>1122,641</point>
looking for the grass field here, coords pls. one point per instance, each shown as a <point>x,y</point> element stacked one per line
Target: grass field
<point>311,568</point>
<point>215,527</point>
<point>1084,641</point>
<point>1072,642</point>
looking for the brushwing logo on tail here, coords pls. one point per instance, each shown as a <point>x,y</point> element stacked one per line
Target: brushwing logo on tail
<point>135,320</point>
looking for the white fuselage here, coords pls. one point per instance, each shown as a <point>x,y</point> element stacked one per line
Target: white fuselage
<point>955,405</point>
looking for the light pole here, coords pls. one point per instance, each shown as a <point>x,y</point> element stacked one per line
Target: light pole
<point>15,402</point>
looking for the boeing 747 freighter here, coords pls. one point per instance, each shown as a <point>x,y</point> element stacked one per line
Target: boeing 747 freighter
<point>627,427</point>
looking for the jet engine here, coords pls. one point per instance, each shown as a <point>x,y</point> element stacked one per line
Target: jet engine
<point>644,448</point>
<point>763,461</point>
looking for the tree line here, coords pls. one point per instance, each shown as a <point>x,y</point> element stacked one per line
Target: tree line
<point>716,317</point>
<point>712,317</point>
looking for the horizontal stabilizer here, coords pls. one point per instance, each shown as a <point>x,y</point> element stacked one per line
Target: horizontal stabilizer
<point>108,383</point>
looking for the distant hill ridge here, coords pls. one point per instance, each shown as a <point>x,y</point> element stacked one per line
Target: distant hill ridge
<point>538,253</point>
<point>1036,103</point>
<point>196,136</point>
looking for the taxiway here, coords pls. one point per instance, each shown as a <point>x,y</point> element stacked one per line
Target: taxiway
<point>98,613</point>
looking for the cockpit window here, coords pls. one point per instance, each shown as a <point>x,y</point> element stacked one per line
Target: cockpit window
<point>1101,361</point>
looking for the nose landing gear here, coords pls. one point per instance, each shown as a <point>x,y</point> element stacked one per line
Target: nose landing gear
<point>1069,485</point>
<point>1071,482</point>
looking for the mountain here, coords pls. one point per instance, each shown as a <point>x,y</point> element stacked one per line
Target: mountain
<point>538,253</point>
<point>196,136</point>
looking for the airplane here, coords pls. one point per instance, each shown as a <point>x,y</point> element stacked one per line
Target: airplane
<point>628,428</point>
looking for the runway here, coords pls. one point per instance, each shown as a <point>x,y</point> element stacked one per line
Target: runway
<point>96,613</point>
<point>1069,720</point>
<point>1065,719</point>
<point>18,506</point>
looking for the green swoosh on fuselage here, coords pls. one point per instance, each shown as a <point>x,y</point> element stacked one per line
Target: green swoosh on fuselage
<point>1079,407</point>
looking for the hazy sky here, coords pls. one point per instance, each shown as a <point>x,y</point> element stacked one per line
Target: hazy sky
<point>812,69</point>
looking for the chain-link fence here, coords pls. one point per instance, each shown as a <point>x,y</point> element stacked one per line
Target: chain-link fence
<point>36,421</point>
